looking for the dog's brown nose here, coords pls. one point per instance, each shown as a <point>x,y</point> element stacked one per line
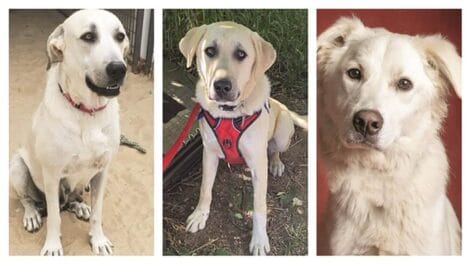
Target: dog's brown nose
<point>368,122</point>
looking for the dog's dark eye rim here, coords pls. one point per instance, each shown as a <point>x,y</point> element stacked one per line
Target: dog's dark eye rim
<point>211,52</point>
<point>120,36</point>
<point>240,54</point>
<point>355,74</point>
<point>405,84</point>
<point>89,37</point>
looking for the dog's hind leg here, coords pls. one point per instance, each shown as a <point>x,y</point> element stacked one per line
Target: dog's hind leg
<point>76,205</point>
<point>280,143</point>
<point>30,196</point>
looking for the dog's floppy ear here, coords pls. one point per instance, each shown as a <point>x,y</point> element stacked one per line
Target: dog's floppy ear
<point>55,46</point>
<point>442,56</point>
<point>265,55</point>
<point>189,43</point>
<point>126,46</point>
<point>336,36</point>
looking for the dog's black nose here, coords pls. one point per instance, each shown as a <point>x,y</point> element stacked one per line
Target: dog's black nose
<point>222,87</point>
<point>116,71</point>
<point>368,122</point>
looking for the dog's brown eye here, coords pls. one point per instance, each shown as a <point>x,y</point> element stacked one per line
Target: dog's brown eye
<point>210,52</point>
<point>240,54</point>
<point>404,84</point>
<point>355,74</point>
<point>89,37</point>
<point>120,36</point>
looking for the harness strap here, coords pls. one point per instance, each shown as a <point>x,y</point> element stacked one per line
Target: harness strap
<point>228,132</point>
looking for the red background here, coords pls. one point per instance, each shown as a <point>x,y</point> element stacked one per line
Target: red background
<point>413,22</point>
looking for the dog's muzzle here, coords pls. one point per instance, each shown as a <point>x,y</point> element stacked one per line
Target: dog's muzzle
<point>116,71</point>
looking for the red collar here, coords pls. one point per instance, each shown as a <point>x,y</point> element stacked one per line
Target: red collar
<point>81,106</point>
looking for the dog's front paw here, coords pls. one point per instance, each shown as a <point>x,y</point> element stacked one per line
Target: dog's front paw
<point>101,245</point>
<point>81,210</point>
<point>276,167</point>
<point>32,220</point>
<point>196,221</point>
<point>259,245</point>
<point>52,247</point>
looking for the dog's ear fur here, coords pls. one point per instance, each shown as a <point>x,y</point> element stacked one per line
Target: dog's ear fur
<point>126,47</point>
<point>337,36</point>
<point>442,56</point>
<point>189,43</point>
<point>55,46</point>
<point>265,55</point>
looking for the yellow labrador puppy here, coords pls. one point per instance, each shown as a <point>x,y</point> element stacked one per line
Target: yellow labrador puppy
<point>381,104</point>
<point>75,131</point>
<point>240,122</point>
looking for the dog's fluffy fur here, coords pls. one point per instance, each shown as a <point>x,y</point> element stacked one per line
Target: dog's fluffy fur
<point>388,196</point>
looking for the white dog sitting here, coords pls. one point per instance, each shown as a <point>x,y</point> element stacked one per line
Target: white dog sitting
<point>75,131</point>
<point>381,104</point>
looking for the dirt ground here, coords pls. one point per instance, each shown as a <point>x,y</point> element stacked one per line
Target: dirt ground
<point>128,206</point>
<point>228,228</point>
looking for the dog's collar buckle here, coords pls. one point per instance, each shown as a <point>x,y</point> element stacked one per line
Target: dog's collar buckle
<point>80,106</point>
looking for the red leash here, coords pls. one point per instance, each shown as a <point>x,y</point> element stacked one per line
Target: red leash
<point>170,155</point>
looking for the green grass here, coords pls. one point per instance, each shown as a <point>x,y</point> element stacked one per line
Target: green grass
<point>285,29</point>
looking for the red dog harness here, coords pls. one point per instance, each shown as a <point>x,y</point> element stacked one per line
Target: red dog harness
<point>228,132</point>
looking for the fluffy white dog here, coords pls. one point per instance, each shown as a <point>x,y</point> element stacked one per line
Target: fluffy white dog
<point>381,104</point>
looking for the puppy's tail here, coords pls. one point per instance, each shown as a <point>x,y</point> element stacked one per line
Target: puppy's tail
<point>299,120</point>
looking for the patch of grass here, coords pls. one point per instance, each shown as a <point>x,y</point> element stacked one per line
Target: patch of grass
<point>298,237</point>
<point>286,30</point>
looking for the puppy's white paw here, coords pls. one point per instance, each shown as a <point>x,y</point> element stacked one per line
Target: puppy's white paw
<point>259,245</point>
<point>196,221</point>
<point>52,247</point>
<point>101,245</point>
<point>81,210</point>
<point>32,220</point>
<point>276,167</point>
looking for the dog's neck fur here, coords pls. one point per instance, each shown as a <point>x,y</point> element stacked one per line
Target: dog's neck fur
<point>75,87</point>
<point>252,103</point>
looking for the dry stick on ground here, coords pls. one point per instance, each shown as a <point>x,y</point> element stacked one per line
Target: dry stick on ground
<point>295,143</point>
<point>211,241</point>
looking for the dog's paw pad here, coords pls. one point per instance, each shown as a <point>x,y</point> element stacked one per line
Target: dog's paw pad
<point>32,221</point>
<point>196,221</point>
<point>259,245</point>
<point>101,245</point>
